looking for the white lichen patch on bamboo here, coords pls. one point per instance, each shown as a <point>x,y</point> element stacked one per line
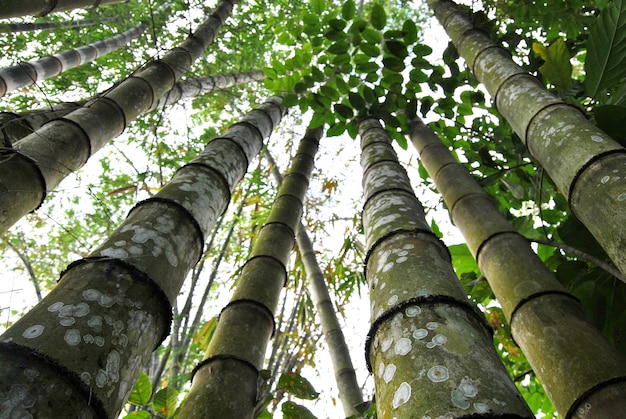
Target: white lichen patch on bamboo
<point>389,372</point>
<point>413,311</point>
<point>481,408</point>
<point>403,346</point>
<point>621,197</point>
<point>438,374</point>
<point>33,331</point>
<point>392,300</point>
<point>386,344</point>
<point>401,395</point>
<point>432,325</point>
<point>72,337</point>
<point>381,369</point>
<point>420,334</point>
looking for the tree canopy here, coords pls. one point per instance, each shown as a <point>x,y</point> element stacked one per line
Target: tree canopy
<point>333,62</point>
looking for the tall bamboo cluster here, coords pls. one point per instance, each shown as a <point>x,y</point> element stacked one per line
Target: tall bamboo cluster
<point>582,373</point>
<point>225,382</point>
<point>78,352</point>
<point>39,161</point>
<point>28,73</point>
<point>586,164</point>
<point>429,349</point>
<point>15,8</point>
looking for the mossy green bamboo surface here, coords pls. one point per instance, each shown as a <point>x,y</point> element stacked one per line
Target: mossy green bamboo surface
<point>429,349</point>
<point>587,165</point>
<point>582,373</point>
<point>225,384</point>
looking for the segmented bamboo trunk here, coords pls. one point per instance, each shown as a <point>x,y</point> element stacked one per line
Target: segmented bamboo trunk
<point>38,162</point>
<point>225,384</point>
<point>587,165</point>
<point>15,8</point>
<point>430,350</point>
<point>28,73</point>
<point>584,376</point>
<point>79,351</point>
<point>42,26</point>
<point>349,391</point>
<point>14,127</point>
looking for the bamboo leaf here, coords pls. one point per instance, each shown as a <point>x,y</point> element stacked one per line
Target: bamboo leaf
<point>605,64</point>
<point>139,414</point>
<point>292,410</point>
<point>296,385</point>
<point>557,67</point>
<point>142,390</point>
<point>165,402</point>
<point>317,6</point>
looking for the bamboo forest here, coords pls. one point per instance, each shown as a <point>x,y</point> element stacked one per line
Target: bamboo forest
<point>313,209</point>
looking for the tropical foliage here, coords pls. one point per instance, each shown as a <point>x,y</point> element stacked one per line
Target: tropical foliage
<point>338,61</point>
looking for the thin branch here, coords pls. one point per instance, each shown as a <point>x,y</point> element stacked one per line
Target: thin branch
<point>582,255</point>
<point>28,266</point>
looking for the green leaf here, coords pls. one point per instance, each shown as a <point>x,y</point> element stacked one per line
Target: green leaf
<point>317,6</point>
<point>462,259</point>
<point>317,120</point>
<point>605,64</point>
<point>165,402</point>
<point>396,48</point>
<point>409,29</point>
<point>295,384</point>
<point>138,414</point>
<point>356,101</point>
<point>348,10</point>
<point>612,120</point>
<point>265,414</point>
<point>422,50</point>
<point>142,391</point>
<point>336,130</point>
<point>343,110</point>
<point>339,47</point>
<point>329,92</point>
<point>557,67</point>
<point>337,24</point>
<point>290,100</point>
<point>378,18</point>
<point>292,410</point>
<point>393,63</point>
<point>372,36</point>
<point>370,49</point>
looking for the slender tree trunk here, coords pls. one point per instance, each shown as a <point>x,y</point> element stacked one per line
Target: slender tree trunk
<point>225,383</point>
<point>41,160</point>
<point>193,87</point>
<point>586,164</point>
<point>28,73</point>
<point>430,350</point>
<point>584,376</point>
<point>16,8</point>
<point>14,127</point>
<point>44,26</point>
<point>349,391</point>
<point>78,352</point>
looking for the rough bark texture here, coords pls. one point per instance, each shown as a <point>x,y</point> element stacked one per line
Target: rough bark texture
<point>586,164</point>
<point>88,340</point>
<point>429,349</point>
<point>27,73</point>
<point>15,8</point>
<point>225,383</point>
<point>578,368</point>
<point>42,159</point>
<point>42,26</point>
